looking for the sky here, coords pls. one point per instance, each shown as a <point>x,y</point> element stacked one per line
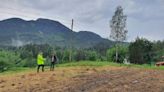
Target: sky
<point>145,18</point>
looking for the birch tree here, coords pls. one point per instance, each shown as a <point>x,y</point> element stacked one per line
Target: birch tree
<point>118,28</point>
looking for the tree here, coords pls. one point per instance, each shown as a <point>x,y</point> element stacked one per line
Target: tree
<point>92,55</point>
<point>118,27</point>
<point>8,59</point>
<point>158,50</point>
<point>80,55</point>
<point>141,51</point>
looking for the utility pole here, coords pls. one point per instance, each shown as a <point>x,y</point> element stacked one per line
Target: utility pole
<point>71,42</point>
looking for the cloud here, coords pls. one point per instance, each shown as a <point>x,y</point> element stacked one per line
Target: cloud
<point>145,18</point>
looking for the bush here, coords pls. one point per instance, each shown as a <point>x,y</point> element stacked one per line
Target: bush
<point>92,55</point>
<point>8,59</point>
<point>122,53</point>
<point>29,62</point>
<point>3,66</point>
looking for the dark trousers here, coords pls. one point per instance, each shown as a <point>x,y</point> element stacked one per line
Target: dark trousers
<point>52,66</point>
<point>39,68</point>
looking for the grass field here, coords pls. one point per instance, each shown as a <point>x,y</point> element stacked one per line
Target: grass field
<point>17,70</point>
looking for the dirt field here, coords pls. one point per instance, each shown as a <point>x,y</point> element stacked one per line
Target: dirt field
<point>86,79</point>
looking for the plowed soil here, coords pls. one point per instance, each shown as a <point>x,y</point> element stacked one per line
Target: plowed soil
<point>85,79</point>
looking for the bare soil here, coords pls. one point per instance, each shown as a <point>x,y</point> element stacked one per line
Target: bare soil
<point>86,79</point>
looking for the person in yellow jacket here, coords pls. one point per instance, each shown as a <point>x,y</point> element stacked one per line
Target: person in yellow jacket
<point>40,61</point>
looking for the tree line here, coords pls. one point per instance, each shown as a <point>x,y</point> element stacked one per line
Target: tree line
<point>141,51</point>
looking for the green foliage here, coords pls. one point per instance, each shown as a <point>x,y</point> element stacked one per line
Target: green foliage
<point>32,50</point>
<point>60,56</point>
<point>28,54</point>
<point>65,57</point>
<point>102,47</point>
<point>8,59</point>
<point>25,53</point>
<point>80,55</point>
<point>92,55</point>
<point>122,53</point>
<point>158,50</point>
<point>77,55</point>
<point>3,66</point>
<point>141,51</point>
<point>24,56</point>
<point>29,62</point>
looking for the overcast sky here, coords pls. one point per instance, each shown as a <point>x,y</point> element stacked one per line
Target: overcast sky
<point>145,18</point>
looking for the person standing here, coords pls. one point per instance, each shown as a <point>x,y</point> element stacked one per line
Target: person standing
<point>53,61</point>
<point>40,61</point>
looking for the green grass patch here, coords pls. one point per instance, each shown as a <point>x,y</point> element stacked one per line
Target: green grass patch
<point>145,66</point>
<point>87,63</point>
<point>16,70</point>
<point>105,63</point>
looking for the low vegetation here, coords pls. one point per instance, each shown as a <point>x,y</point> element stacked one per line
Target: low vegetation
<point>85,64</point>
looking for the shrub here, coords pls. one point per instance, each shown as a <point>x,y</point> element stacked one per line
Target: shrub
<point>122,53</point>
<point>3,66</point>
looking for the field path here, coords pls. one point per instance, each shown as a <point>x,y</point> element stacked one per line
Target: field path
<point>86,79</point>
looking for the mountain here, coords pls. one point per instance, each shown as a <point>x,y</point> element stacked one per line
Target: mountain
<point>17,32</point>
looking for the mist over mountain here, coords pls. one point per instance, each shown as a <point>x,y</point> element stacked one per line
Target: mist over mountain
<point>18,32</point>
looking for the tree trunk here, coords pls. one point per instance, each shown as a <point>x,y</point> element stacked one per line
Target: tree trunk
<point>116,52</point>
<point>70,55</point>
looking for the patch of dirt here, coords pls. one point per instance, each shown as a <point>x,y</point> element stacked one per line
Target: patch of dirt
<point>86,79</point>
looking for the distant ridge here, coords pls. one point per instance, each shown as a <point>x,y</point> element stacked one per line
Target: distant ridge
<point>17,32</point>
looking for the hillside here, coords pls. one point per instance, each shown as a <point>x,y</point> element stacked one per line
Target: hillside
<point>17,32</point>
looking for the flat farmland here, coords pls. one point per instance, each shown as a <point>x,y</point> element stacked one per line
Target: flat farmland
<point>85,79</point>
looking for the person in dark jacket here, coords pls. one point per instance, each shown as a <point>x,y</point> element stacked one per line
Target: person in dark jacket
<point>53,61</point>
